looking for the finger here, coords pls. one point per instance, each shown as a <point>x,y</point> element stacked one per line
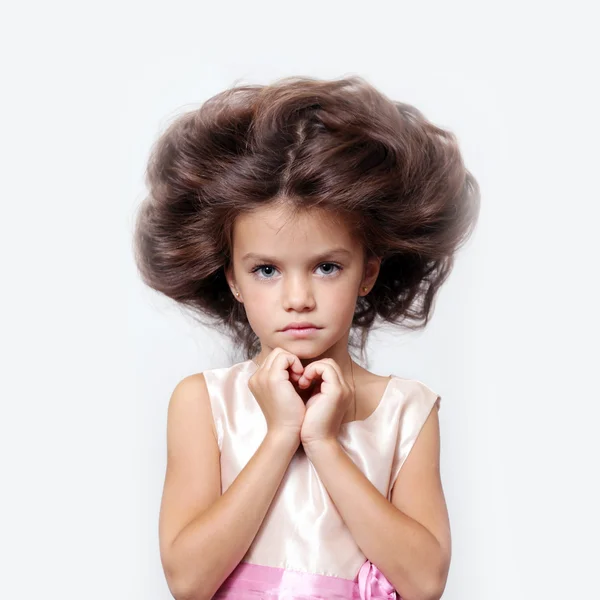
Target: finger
<point>272,356</point>
<point>304,382</point>
<point>343,383</point>
<point>309,376</point>
<point>286,360</point>
<point>336,367</point>
<point>297,367</point>
<point>324,370</point>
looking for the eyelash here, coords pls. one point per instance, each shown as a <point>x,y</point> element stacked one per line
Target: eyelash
<point>257,268</point>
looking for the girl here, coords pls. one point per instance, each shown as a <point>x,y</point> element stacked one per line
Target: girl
<point>291,216</point>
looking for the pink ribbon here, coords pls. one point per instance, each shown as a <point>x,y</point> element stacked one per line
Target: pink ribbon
<point>373,585</point>
<point>249,581</point>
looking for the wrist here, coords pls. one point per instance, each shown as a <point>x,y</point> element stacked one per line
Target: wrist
<point>319,446</point>
<point>286,438</point>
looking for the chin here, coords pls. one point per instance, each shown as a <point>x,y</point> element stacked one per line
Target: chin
<point>308,351</point>
<point>303,349</point>
<point>302,352</point>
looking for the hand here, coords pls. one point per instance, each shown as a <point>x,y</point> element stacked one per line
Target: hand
<point>282,407</point>
<point>328,404</point>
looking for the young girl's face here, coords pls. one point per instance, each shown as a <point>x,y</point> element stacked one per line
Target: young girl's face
<point>294,269</point>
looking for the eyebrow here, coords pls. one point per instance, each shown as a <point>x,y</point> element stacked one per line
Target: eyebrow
<point>321,256</point>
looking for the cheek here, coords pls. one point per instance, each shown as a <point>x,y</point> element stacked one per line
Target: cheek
<point>260,308</point>
<point>256,294</point>
<point>341,302</point>
<point>258,321</point>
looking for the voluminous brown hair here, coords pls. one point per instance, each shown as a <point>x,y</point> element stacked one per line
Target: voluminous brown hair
<point>397,179</point>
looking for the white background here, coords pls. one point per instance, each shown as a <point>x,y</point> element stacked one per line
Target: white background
<point>90,356</point>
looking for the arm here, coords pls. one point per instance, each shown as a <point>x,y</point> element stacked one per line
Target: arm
<point>408,539</point>
<point>203,534</point>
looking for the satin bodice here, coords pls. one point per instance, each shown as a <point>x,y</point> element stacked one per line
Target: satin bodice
<point>303,531</point>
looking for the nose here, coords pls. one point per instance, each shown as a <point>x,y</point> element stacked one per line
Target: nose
<point>298,294</point>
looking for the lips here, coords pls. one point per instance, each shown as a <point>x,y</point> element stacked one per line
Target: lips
<point>302,325</point>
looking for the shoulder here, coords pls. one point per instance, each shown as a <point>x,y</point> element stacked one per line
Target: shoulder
<point>419,392</point>
<point>190,400</point>
<point>189,390</point>
<point>199,383</point>
<point>198,395</point>
<point>372,386</point>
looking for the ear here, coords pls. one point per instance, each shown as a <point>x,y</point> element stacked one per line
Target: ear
<point>370,274</point>
<point>231,282</point>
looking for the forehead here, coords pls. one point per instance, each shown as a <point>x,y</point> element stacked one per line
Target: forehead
<point>275,228</point>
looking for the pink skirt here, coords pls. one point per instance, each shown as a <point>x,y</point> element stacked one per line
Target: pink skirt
<point>254,582</point>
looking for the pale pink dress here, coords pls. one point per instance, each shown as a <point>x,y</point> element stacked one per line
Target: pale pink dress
<point>303,549</point>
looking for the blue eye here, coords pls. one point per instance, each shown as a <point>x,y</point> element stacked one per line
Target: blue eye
<point>328,273</point>
<point>331,265</point>
<point>263,267</point>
